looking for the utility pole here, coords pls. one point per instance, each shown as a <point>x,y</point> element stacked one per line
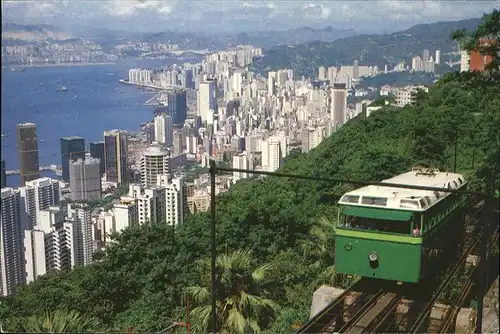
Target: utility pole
<point>214,254</point>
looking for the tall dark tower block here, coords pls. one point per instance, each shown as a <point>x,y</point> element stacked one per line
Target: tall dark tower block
<point>72,148</point>
<point>96,149</point>
<point>27,147</point>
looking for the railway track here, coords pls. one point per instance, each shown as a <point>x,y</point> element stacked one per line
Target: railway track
<point>373,311</point>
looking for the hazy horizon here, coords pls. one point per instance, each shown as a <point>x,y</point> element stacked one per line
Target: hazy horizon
<point>239,16</point>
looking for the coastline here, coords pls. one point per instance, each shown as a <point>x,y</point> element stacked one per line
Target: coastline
<point>56,65</point>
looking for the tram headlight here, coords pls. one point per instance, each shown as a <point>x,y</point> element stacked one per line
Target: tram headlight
<point>373,257</point>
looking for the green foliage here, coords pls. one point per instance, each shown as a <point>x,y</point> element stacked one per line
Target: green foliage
<point>61,322</point>
<point>241,308</point>
<point>140,281</point>
<point>489,29</point>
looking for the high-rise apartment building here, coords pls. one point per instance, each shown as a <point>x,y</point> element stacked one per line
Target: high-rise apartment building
<point>96,150</point>
<point>3,175</point>
<point>50,245</point>
<point>178,143</point>
<point>163,129</point>
<point>39,195</point>
<point>115,156</point>
<point>240,161</point>
<point>207,99</point>
<point>155,161</point>
<point>338,104</point>
<point>438,57</point>
<point>151,202</point>
<point>80,215</point>
<point>12,221</point>
<point>72,149</point>
<point>85,179</point>
<point>176,206</point>
<point>27,143</point>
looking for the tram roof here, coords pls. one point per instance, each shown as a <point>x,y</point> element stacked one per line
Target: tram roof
<point>403,198</point>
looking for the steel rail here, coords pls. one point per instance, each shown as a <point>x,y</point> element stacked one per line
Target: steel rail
<point>324,317</point>
<point>354,182</point>
<point>381,318</point>
<point>479,206</point>
<point>365,308</point>
<point>447,324</point>
<point>416,328</point>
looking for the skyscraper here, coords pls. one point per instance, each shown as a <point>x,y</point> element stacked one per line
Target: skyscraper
<point>339,104</point>
<point>27,142</point>
<point>3,175</point>
<point>207,99</point>
<point>96,150</point>
<point>115,156</point>
<point>85,179</point>
<point>163,129</point>
<point>72,148</point>
<point>12,220</point>
<point>155,161</point>
<point>39,195</point>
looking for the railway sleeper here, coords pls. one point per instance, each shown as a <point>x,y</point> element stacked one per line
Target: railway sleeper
<point>466,321</point>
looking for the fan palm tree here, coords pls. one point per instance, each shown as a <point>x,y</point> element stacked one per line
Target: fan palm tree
<point>62,322</point>
<point>239,306</point>
<point>320,250</point>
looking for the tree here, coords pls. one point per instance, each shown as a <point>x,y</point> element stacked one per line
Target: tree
<point>239,306</point>
<point>62,322</point>
<point>489,30</point>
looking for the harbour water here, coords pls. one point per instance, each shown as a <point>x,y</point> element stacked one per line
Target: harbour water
<point>95,101</point>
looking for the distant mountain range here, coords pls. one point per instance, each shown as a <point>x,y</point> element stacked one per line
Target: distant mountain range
<point>188,41</point>
<point>380,50</point>
<point>33,33</point>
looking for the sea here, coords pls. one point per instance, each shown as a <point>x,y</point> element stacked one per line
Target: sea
<point>94,102</point>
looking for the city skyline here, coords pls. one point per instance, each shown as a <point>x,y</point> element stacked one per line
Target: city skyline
<point>239,16</point>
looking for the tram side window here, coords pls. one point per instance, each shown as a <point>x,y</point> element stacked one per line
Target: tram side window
<point>380,225</point>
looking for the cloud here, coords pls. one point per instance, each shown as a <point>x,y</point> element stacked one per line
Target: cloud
<point>233,15</point>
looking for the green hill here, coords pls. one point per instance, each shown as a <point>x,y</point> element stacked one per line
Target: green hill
<point>380,50</point>
<point>140,281</point>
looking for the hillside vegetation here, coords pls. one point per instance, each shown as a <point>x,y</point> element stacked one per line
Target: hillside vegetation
<point>380,50</point>
<point>275,235</point>
<point>141,280</point>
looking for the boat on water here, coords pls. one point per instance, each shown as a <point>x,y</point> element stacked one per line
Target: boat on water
<point>17,69</point>
<point>61,89</point>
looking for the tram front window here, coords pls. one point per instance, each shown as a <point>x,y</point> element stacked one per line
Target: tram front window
<point>379,225</point>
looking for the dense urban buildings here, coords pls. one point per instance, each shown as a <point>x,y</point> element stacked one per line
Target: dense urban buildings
<point>27,142</point>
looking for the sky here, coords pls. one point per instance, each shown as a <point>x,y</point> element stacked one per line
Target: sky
<point>228,16</point>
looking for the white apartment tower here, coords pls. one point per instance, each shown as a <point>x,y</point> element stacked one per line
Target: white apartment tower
<point>438,57</point>
<point>80,214</point>
<point>50,245</point>
<point>85,179</point>
<point>163,129</point>
<point>464,61</point>
<point>38,195</point>
<point>151,202</point>
<point>155,161</point>
<point>176,199</point>
<point>240,161</point>
<point>271,83</point>
<point>338,104</point>
<point>12,220</point>
<point>207,99</point>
